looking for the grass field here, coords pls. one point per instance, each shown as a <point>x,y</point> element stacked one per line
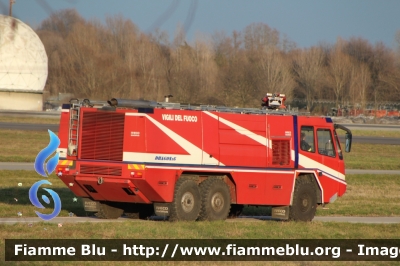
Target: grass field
<point>30,120</point>
<point>367,195</point>
<point>373,156</point>
<point>22,145</point>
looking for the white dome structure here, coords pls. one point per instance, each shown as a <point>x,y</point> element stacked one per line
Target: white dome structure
<point>23,66</point>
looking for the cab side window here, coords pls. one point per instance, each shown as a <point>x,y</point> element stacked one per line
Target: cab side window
<point>307,139</point>
<point>325,143</point>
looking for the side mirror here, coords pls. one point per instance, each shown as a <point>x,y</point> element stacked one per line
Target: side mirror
<point>348,138</point>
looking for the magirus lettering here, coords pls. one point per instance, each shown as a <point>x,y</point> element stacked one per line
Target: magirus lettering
<point>165,158</point>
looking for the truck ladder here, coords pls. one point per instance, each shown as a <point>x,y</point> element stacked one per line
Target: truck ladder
<point>74,113</point>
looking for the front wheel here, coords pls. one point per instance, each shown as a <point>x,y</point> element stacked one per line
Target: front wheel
<point>304,201</point>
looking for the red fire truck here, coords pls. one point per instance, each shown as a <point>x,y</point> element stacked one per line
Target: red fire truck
<point>192,163</point>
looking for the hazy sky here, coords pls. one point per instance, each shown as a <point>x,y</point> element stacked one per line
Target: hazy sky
<point>306,22</point>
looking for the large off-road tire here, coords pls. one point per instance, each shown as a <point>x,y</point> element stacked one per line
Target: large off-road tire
<point>109,210</point>
<point>187,202</point>
<point>139,211</point>
<point>304,201</point>
<point>215,200</point>
<point>235,211</point>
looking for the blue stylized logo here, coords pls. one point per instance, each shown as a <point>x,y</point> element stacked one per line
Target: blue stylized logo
<point>35,201</point>
<point>45,153</point>
<point>40,169</point>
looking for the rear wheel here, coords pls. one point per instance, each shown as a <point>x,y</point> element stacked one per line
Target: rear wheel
<point>304,201</point>
<point>109,210</point>
<point>215,200</point>
<point>186,203</point>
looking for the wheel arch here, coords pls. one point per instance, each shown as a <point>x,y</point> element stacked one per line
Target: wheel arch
<point>312,177</point>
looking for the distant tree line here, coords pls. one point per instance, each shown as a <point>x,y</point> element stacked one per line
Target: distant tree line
<point>98,60</point>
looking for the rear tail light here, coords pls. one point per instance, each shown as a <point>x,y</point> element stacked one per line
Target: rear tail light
<point>62,171</point>
<point>137,174</point>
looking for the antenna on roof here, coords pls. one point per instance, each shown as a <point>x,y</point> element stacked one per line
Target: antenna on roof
<point>10,11</point>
